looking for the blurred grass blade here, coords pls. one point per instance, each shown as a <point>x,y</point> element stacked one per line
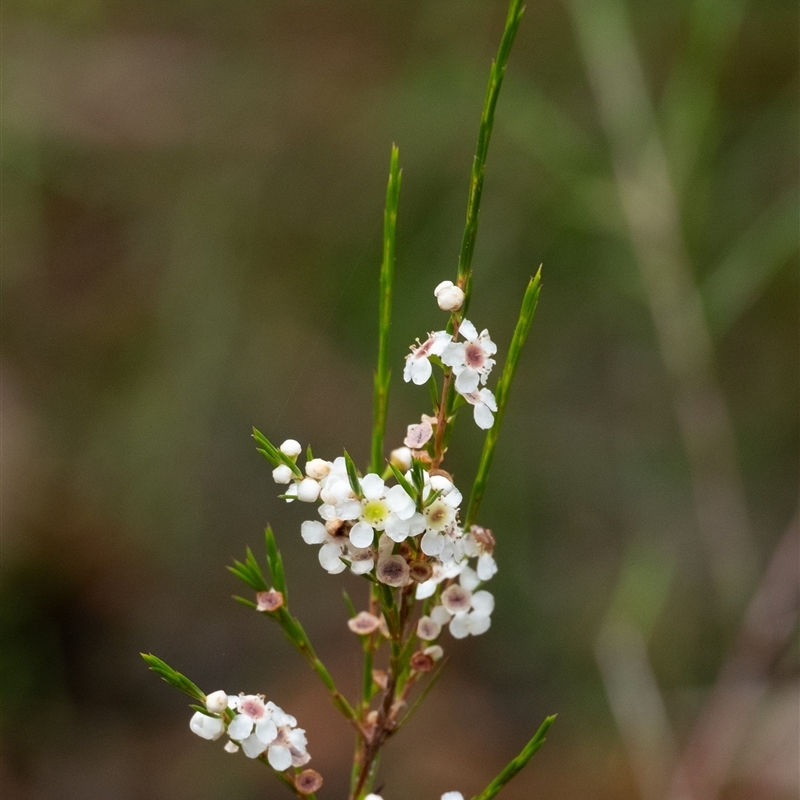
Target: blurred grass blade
<point>526,315</point>
<point>383,374</point>
<point>518,763</point>
<point>514,17</point>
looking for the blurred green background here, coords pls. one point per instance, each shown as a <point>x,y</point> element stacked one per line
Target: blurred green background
<point>191,238</point>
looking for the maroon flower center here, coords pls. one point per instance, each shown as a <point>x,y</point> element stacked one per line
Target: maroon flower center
<point>474,356</point>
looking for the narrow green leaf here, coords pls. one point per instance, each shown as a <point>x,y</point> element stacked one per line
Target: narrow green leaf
<point>349,603</point>
<point>382,373</point>
<point>401,479</point>
<point>173,677</point>
<point>518,763</point>
<point>275,563</point>
<point>352,475</point>
<point>245,602</point>
<point>515,11</point>
<point>526,314</point>
<point>274,454</point>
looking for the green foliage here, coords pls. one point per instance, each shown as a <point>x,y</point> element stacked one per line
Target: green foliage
<point>173,677</point>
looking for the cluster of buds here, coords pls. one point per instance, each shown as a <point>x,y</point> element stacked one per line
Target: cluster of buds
<point>256,727</point>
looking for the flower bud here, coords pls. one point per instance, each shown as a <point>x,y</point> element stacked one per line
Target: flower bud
<point>308,781</point>
<point>217,702</point>
<point>282,474</point>
<point>269,601</point>
<point>308,490</point>
<point>434,651</point>
<point>207,727</point>
<point>291,448</point>
<point>449,297</point>
<point>421,662</point>
<point>318,469</point>
<point>401,458</point>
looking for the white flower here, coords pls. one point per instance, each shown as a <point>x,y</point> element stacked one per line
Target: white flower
<point>282,474</point>
<point>254,713</point>
<point>289,747</point>
<point>291,448</point>
<point>206,727</point>
<point>417,435</point>
<point>428,629</point>
<point>452,796</point>
<point>449,297</point>
<point>471,612</point>
<point>418,368</point>
<point>472,360</point>
<point>373,796</point>
<point>484,404</point>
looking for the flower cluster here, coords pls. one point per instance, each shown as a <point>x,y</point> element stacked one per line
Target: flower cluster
<point>470,360</point>
<point>445,796</point>
<point>255,726</point>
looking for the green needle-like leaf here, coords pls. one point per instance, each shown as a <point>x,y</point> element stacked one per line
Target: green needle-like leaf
<point>382,374</point>
<point>526,315</point>
<point>352,475</point>
<point>173,677</point>
<point>518,763</point>
<point>514,17</point>
<point>275,563</point>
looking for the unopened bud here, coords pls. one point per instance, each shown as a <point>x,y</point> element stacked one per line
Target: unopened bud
<point>434,651</point>
<point>363,623</point>
<point>308,781</point>
<point>421,662</point>
<point>217,702</point>
<point>291,448</point>
<point>449,296</point>
<point>317,468</point>
<point>401,458</point>
<point>308,490</point>
<point>269,601</point>
<point>282,474</point>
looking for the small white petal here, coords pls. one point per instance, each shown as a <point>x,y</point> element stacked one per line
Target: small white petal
<point>372,485</point>
<point>419,370</point>
<point>361,535</point>
<point>426,589</point>
<point>459,626</point>
<point>395,528</point>
<point>241,727</point>
<point>452,796</point>
<point>253,747</point>
<point>313,532</point>
<point>487,567</point>
<point>401,458</point>
<point>298,738</point>
<point>440,483</point>
<point>484,418</point>
<point>467,381</point>
<point>468,330</point>
<point>416,524</point>
<point>478,623</point>
<point>266,730</point>
<point>329,557</point>
<point>279,757</point>
<point>488,398</point>
<point>205,727</point>
<point>230,747</point>
<point>483,602</point>
<point>362,567</point>
<point>348,509</point>
<point>453,355</point>
<point>441,615</point>
<point>469,578</point>
<point>432,544</point>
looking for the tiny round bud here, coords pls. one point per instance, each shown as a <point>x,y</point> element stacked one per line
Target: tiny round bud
<point>456,599</point>
<point>363,623</point>
<point>269,601</point>
<point>434,651</point>
<point>308,781</point>
<point>393,571</point>
<point>282,474</point>
<point>308,490</point>
<point>217,702</point>
<point>317,468</point>
<point>421,662</point>
<point>291,448</point>
<point>401,458</point>
<point>449,296</point>
<point>428,629</point>
<point>420,571</point>
<point>440,483</point>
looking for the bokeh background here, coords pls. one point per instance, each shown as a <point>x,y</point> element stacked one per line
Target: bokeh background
<point>191,237</point>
